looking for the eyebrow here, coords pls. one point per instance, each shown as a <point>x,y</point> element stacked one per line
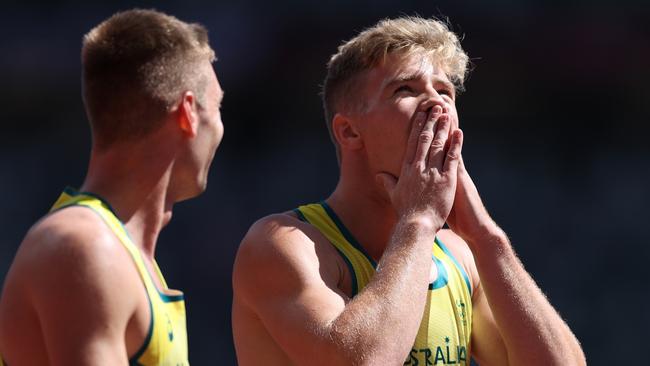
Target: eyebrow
<point>405,78</point>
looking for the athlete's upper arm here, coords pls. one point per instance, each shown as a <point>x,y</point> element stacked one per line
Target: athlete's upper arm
<point>279,275</point>
<point>488,347</point>
<point>73,268</point>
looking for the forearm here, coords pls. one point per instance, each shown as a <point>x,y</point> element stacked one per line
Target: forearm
<point>380,324</point>
<point>533,332</point>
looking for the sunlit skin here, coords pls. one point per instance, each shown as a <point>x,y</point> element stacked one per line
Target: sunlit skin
<point>393,93</point>
<point>401,178</point>
<point>73,295</point>
<point>198,156</point>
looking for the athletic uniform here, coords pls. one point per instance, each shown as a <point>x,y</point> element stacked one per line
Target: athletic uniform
<point>444,334</point>
<point>166,342</point>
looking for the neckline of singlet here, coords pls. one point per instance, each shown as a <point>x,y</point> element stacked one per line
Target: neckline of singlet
<point>179,296</point>
<point>355,243</point>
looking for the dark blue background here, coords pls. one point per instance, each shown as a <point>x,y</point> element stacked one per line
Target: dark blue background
<point>555,118</point>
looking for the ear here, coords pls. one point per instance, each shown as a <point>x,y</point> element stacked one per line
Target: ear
<point>346,133</point>
<point>187,116</point>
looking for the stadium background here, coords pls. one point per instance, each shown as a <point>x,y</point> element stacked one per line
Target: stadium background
<point>555,117</point>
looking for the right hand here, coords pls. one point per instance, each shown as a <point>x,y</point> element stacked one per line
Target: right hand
<point>426,186</point>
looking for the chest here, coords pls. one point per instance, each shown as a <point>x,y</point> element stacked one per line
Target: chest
<point>445,330</point>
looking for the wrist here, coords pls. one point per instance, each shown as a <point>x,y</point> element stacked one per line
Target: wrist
<point>488,237</point>
<point>421,222</point>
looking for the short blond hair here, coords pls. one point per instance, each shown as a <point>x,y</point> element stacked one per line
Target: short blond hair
<point>136,65</point>
<point>405,35</point>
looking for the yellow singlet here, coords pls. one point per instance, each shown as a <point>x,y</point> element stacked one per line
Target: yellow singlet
<point>166,343</point>
<point>445,330</point>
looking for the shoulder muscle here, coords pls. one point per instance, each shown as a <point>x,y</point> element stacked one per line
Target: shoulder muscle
<point>71,265</point>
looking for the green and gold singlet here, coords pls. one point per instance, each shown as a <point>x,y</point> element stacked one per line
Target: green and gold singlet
<point>166,343</point>
<point>444,334</point>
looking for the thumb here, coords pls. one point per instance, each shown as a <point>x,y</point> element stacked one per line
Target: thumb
<point>387,181</point>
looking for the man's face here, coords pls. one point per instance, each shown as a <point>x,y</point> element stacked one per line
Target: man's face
<point>393,92</point>
<point>210,131</point>
<point>192,169</point>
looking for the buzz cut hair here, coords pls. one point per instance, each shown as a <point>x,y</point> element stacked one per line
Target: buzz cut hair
<point>136,66</point>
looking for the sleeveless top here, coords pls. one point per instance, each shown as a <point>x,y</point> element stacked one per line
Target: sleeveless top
<point>444,334</point>
<point>166,342</point>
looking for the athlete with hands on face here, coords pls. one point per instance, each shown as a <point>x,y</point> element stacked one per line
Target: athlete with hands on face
<point>369,276</point>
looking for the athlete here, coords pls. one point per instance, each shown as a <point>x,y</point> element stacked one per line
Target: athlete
<point>369,276</point>
<point>84,287</point>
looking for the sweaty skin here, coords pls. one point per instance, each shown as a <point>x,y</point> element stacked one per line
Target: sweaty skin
<point>318,318</point>
<point>402,177</point>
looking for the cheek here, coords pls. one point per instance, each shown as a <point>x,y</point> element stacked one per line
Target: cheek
<point>220,131</point>
<point>388,139</point>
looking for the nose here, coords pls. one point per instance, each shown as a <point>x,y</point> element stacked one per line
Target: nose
<point>432,99</point>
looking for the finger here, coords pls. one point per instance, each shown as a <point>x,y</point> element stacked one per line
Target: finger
<point>416,127</point>
<point>425,137</point>
<point>461,164</point>
<point>453,156</point>
<point>387,182</point>
<point>438,145</point>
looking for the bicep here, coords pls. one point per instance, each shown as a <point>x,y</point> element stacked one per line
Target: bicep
<point>80,330</point>
<point>299,320</point>
<point>292,297</point>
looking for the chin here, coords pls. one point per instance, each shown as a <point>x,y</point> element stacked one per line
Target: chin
<point>192,193</point>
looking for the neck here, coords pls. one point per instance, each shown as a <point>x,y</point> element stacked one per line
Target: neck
<point>364,209</point>
<point>135,181</point>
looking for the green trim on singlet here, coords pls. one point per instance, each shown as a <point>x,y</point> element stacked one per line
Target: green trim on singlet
<point>72,192</point>
<point>443,277</point>
<point>301,217</point>
<point>346,233</point>
<point>148,351</point>
<point>133,361</point>
<point>442,246</point>
<point>353,273</point>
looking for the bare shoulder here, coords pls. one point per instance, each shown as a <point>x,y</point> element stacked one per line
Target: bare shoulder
<point>460,250</point>
<point>69,234</point>
<point>72,285</point>
<point>73,246</point>
<point>280,251</point>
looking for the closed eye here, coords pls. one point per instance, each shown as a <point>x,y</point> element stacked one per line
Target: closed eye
<point>445,92</point>
<point>403,88</point>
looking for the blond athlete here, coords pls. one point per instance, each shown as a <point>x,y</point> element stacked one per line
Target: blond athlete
<point>369,276</point>
<point>84,287</point>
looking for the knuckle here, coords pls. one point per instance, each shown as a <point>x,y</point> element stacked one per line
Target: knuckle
<point>453,155</point>
<point>437,144</point>
<point>426,137</point>
<point>418,167</point>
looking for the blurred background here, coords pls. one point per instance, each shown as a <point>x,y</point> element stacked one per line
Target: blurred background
<point>555,117</point>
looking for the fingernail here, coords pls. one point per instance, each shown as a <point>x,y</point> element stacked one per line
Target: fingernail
<point>437,110</point>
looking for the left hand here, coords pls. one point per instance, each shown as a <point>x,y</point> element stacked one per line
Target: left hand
<point>469,218</point>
